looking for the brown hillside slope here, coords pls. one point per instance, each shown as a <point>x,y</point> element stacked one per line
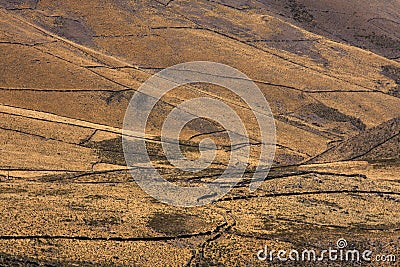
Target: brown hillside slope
<point>372,25</point>
<point>67,72</point>
<point>380,142</point>
<point>322,101</point>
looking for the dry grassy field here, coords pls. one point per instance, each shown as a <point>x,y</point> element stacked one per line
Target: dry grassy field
<point>330,71</point>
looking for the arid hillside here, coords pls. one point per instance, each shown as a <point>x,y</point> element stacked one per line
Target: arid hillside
<point>328,69</point>
<point>371,25</point>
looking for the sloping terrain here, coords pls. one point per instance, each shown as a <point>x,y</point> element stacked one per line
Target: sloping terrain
<point>377,143</point>
<point>312,83</point>
<point>371,25</point>
<point>69,68</point>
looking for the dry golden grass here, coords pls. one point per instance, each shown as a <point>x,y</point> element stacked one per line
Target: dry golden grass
<point>68,70</point>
